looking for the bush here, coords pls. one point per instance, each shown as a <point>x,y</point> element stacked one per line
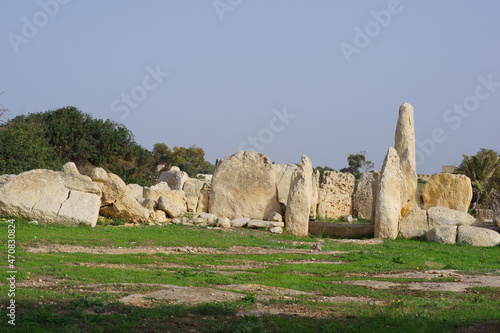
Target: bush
<point>47,140</point>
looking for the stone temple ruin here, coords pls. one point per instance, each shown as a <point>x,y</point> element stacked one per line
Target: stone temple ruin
<point>248,190</point>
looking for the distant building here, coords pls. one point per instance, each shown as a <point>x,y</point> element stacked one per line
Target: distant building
<point>449,168</point>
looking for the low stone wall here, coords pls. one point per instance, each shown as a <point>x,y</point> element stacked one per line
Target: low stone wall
<point>341,230</point>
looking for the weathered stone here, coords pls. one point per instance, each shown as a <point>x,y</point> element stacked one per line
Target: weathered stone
<point>283,175</point>
<point>240,222</point>
<point>5,178</point>
<point>112,187</point>
<point>476,236</point>
<point>127,208</point>
<point>405,147</point>
<point>70,168</point>
<point>484,215</point>
<point>79,208</point>
<point>414,224</point>
<point>117,200</point>
<point>275,217</point>
<point>349,219</point>
<point>244,185</point>
<point>447,190</point>
<point>276,230</point>
<point>135,190</point>
<point>299,199</point>
<point>168,207</point>
<point>173,203</point>
<point>255,224</point>
<point>149,204</point>
<point>365,195</point>
<point>438,216</point>
<point>51,197</point>
<point>224,223</point>
<point>174,178</point>
<point>209,218</point>
<point>156,191</point>
<point>98,174</point>
<point>159,216</point>
<point>80,183</point>
<point>335,194</point>
<point>389,198</point>
<point>315,194</point>
<point>204,198</point>
<point>192,188</point>
<point>496,217</point>
<point>442,235</point>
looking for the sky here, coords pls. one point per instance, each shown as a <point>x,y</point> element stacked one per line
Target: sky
<point>284,77</point>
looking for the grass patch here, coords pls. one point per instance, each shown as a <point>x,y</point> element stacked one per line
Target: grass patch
<point>80,292</point>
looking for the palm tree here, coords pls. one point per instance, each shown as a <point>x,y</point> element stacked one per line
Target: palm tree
<point>482,169</point>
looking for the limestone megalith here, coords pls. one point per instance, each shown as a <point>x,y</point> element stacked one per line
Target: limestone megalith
<point>389,197</point>
<point>405,147</point>
<point>244,185</point>
<point>447,190</point>
<point>300,199</point>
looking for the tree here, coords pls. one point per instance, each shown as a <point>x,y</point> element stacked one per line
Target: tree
<point>49,139</point>
<point>162,154</point>
<point>23,146</point>
<point>191,160</point>
<point>4,112</point>
<point>357,161</point>
<point>483,169</point>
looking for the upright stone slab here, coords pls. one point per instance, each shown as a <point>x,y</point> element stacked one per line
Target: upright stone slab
<point>283,175</point>
<point>365,195</point>
<point>405,147</point>
<point>204,198</point>
<point>447,190</point>
<point>389,198</point>
<point>244,185</point>
<point>315,194</point>
<point>335,194</point>
<point>193,189</point>
<point>299,199</point>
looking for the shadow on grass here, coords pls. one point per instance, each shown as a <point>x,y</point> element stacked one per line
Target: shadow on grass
<point>91,314</point>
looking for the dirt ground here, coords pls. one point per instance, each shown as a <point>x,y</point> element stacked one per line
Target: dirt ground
<point>146,295</point>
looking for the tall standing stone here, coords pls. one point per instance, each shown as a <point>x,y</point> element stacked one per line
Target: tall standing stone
<point>405,147</point>
<point>389,198</point>
<point>300,199</point>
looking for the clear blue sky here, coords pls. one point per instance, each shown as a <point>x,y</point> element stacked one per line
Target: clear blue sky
<point>322,78</point>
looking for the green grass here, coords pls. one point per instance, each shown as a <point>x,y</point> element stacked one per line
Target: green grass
<point>69,304</point>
